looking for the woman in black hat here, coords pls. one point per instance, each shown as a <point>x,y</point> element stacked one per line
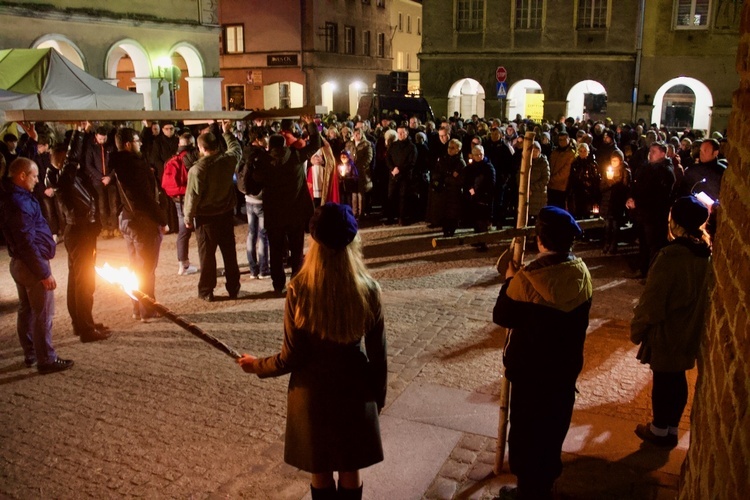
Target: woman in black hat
<point>670,317</point>
<point>335,350</point>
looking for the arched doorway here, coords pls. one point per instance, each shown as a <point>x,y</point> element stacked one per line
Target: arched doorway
<point>683,103</point>
<point>587,100</point>
<point>172,72</point>
<point>64,46</point>
<point>127,66</point>
<point>525,98</point>
<point>467,97</point>
<point>190,92</point>
<point>282,95</point>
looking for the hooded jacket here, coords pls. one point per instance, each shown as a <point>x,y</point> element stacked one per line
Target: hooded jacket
<point>546,305</point>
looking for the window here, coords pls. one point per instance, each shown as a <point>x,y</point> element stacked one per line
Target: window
<point>234,39</point>
<point>529,14</point>
<point>408,24</point>
<point>285,96</point>
<point>400,22</point>
<point>381,44</point>
<point>470,15</point>
<point>332,37</point>
<point>592,14</point>
<point>380,3</point>
<point>366,43</point>
<point>419,26</point>
<point>349,39</point>
<point>399,60</point>
<point>407,57</point>
<point>692,14</point>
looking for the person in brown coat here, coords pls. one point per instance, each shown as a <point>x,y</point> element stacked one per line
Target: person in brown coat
<point>559,165</point>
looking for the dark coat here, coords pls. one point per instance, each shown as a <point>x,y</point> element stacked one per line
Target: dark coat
<point>335,394</point>
<point>615,192</point>
<point>137,187</point>
<point>652,190</point>
<point>448,182</point>
<point>281,173</point>
<point>546,305</point>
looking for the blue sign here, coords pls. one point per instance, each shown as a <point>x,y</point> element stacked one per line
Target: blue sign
<point>502,90</point>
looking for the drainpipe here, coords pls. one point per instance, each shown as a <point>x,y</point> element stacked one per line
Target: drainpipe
<point>638,58</point>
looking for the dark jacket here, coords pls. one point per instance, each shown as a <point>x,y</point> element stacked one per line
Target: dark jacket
<point>652,190</point>
<point>95,154</point>
<point>546,305</point>
<point>26,231</point>
<point>281,173</point>
<point>76,193</point>
<point>693,180</point>
<point>402,154</point>
<point>137,186</point>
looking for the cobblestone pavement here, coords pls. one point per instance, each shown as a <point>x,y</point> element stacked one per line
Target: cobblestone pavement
<point>155,412</point>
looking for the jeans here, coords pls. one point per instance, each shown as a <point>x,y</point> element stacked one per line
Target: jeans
<point>183,236</point>
<point>35,311</point>
<point>257,254</point>
<point>212,231</point>
<point>143,240</point>
<point>80,242</point>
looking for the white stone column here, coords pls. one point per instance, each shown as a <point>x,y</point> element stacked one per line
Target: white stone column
<point>149,87</point>
<point>204,92</point>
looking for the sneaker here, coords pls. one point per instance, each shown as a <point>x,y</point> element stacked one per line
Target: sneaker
<point>644,432</point>
<point>185,271</point>
<point>264,276</point>
<point>208,298</point>
<point>57,365</point>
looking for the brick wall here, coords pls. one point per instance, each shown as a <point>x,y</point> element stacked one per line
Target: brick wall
<point>718,461</point>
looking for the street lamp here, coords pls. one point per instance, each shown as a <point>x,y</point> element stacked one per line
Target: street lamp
<point>168,74</point>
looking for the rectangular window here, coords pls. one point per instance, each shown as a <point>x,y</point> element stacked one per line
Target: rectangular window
<point>470,15</point>
<point>234,39</point>
<point>692,14</point>
<point>399,60</point>
<point>400,22</point>
<point>285,96</point>
<point>366,43</point>
<point>419,26</point>
<point>408,23</point>
<point>529,14</point>
<point>407,57</point>
<point>380,3</point>
<point>381,44</point>
<point>349,39</point>
<point>592,14</point>
<point>332,37</point>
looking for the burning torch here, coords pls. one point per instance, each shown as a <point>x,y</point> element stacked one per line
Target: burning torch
<point>128,281</point>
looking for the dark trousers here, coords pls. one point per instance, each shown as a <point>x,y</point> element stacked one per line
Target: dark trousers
<point>212,231</point>
<point>278,237</point>
<point>80,242</point>
<point>397,192</point>
<point>557,198</point>
<point>652,237</point>
<point>52,214</point>
<point>108,201</point>
<point>668,397</point>
<point>35,310</point>
<point>143,240</point>
<point>539,419</point>
<point>183,236</point>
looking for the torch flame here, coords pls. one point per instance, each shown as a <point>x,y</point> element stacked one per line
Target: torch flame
<point>123,277</point>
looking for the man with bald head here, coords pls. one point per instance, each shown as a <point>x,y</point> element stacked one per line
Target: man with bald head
<point>31,247</point>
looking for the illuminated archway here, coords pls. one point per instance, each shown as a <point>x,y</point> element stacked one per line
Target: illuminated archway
<point>467,97</point>
<point>587,99</point>
<point>701,106</point>
<point>525,98</point>
<point>64,46</point>
<point>282,95</point>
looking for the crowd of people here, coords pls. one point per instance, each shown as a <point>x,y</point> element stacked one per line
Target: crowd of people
<point>116,181</point>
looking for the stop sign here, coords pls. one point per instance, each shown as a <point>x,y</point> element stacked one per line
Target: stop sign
<point>501,74</point>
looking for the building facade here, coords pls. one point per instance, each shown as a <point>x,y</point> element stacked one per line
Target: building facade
<point>406,17</point>
<point>667,61</point>
<point>290,53</point>
<point>167,50</point>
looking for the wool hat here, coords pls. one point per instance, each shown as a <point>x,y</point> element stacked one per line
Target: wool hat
<point>557,226</point>
<point>333,225</point>
<point>689,213</point>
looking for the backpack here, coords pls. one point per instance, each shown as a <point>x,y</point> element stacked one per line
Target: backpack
<point>174,178</point>
<point>245,182</point>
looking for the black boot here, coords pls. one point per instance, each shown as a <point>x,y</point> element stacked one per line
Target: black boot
<point>347,494</point>
<point>324,493</point>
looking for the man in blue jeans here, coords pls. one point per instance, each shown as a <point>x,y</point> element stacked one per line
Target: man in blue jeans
<point>257,239</point>
<point>31,247</point>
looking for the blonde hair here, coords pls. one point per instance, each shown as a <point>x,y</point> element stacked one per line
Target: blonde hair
<point>333,293</point>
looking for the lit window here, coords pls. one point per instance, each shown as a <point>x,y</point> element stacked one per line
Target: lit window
<point>234,39</point>
<point>529,14</point>
<point>332,37</point>
<point>592,14</point>
<point>348,39</point>
<point>399,60</point>
<point>692,14</point>
<point>470,15</point>
<point>381,44</point>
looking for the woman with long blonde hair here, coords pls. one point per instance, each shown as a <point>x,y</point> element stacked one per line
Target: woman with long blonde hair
<point>334,347</point>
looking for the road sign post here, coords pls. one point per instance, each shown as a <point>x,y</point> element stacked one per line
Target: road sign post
<point>501,74</point>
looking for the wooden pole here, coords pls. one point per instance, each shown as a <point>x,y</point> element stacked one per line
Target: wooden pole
<point>519,243</point>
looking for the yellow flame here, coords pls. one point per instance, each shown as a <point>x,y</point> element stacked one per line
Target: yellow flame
<point>122,276</point>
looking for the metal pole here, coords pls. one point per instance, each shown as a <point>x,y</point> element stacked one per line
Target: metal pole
<point>519,243</point>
